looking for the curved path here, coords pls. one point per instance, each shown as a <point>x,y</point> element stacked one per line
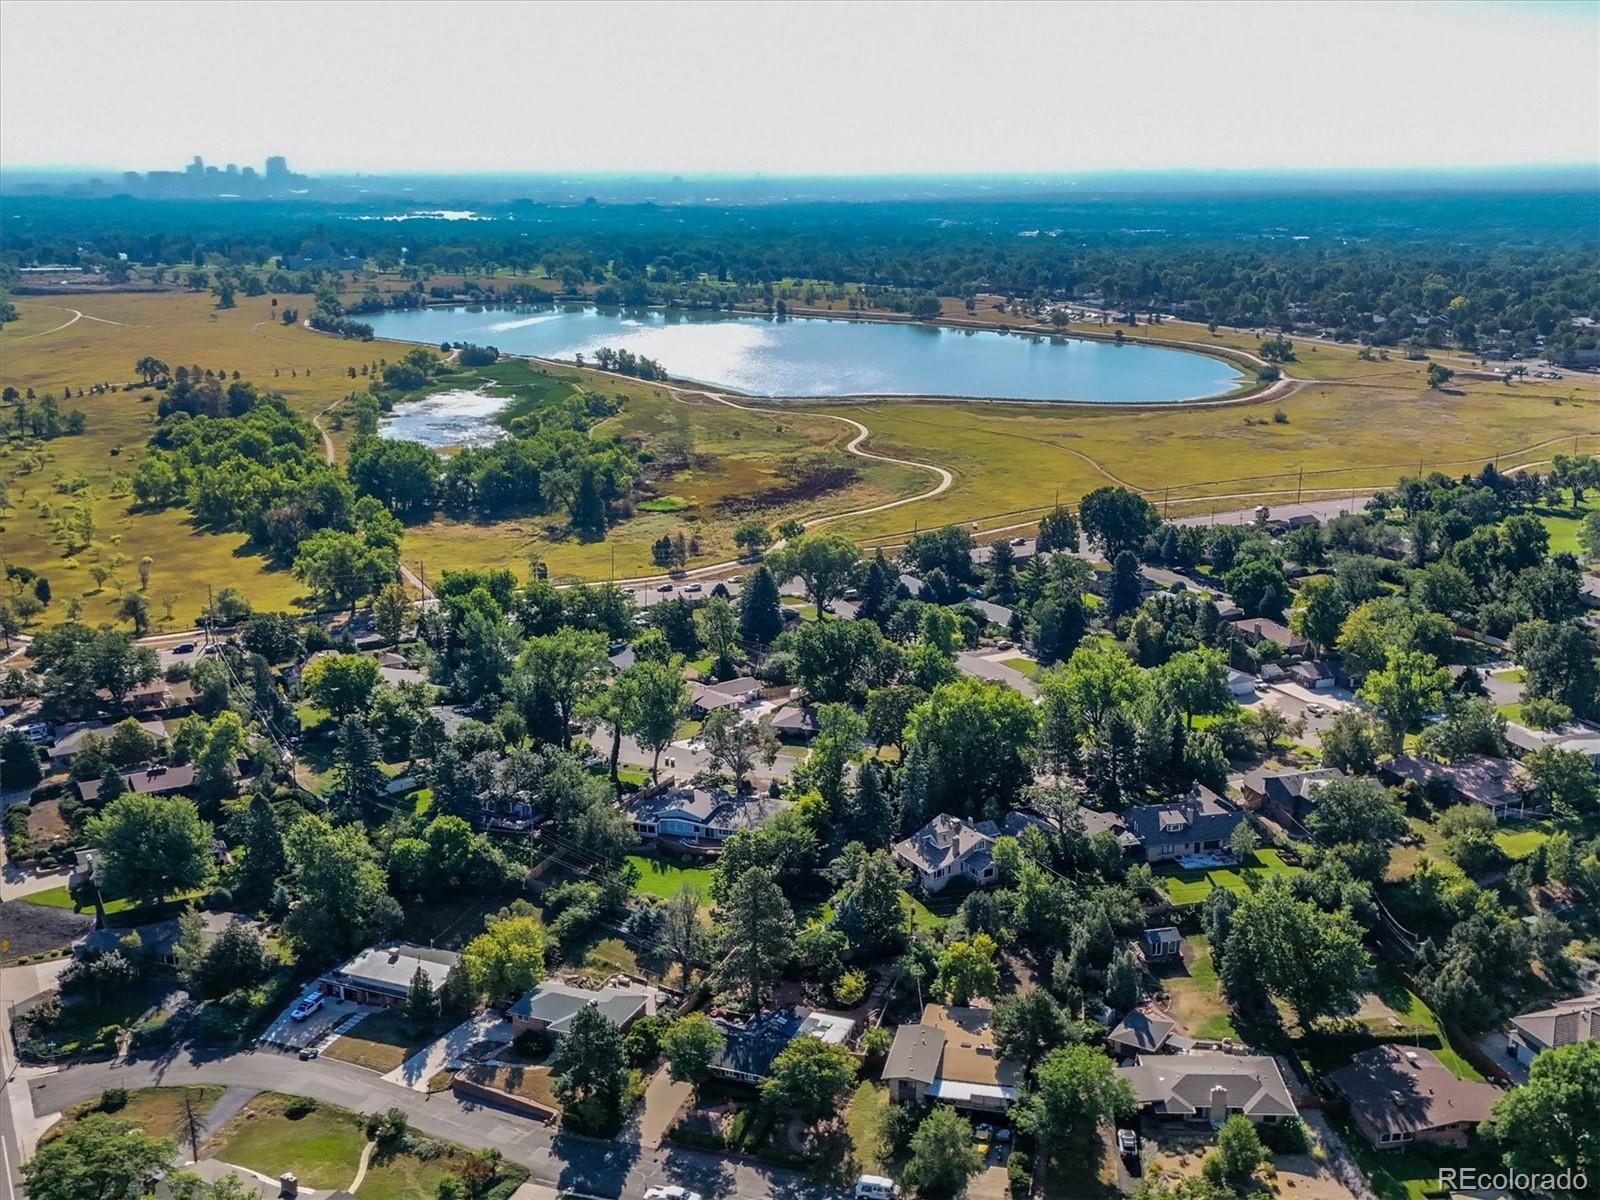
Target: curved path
<point>73,320</point>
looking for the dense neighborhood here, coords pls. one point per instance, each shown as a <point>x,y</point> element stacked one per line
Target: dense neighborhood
<point>1168,858</point>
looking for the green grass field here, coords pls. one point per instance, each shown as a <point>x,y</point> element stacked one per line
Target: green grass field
<point>159,1111</point>
<point>322,1147</point>
<point>382,1041</point>
<point>663,880</point>
<point>1196,993</point>
<point>1191,887</point>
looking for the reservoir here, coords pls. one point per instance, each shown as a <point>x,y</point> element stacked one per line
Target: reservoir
<point>811,357</point>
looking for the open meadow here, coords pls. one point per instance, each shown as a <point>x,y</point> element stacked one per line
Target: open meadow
<point>1354,424</point>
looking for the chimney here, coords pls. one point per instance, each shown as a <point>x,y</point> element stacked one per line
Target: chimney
<point>1565,1031</point>
<point>1219,1104</point>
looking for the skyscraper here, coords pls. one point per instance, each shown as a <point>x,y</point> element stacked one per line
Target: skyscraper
<point>277,166</point>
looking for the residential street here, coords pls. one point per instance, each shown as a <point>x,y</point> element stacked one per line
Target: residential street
<point>621,1169</point>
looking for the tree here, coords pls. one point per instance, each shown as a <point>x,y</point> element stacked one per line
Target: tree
<point>967,969</point>
<point>807,1078</point>
<point>869,907</point>
<point>1257,585</point>
<point>1562,780</point>
<point>1115,519</point>
<point>752,536</point>
<point>237,958</point>
<point>422,1004</point>
<point>564,668</point>
<point>257,830</point>
<point>760,616</point>
<point>839,660</point>
<point>358,782</point>
<point>342,683</point>
<point>719,633</point>
<point>1075,1088</point>
<point>1126,583</point>
<point>888,713</point>
<point>151,847</point>
<point>1559,662</point>
<point>1353,742</point>
<point>150,369</point>
<point>19,761</point>
<point>1122,979</point>
<point>759,927</point>
<point>392,613</point>
<point>344,902</point>
<point>870,816</point>
<point>97,1157</point>
<point>736,745</point>
<point>977,738</point>
<point>1547,1125</point>
<point>942,1157</point>
<point>653,698</point>
<point>1058,530</point>
<point>1239,1150</point>
<point>1029,1026</point>
<point>823,561</point>
<point>342,569</point>
<point>591,1073</point>
<point>1288,948</point>
<point>837,746</point>
<point>1321,612</point>
<point>1196,681</point>
<point>507,958</point>
<point>682,936</point>
<point>691,1044</point>
<point>1439,375</point>
<point>1350,811</point>
<point>1409,685</point>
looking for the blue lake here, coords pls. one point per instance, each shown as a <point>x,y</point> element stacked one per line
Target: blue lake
<point>803,357</point>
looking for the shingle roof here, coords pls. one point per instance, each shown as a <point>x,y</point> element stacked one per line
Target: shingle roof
<point>1142,1031</point>
<point>942,842</point>
<point>1201,816</point>
<point>150,781</point>
<point>555,1004</point>
<point>1288,787</point>
<point>1575,1020</point>
<point>915,1054</point>
<point>1188,1083</point>
<point>1404,1089</point>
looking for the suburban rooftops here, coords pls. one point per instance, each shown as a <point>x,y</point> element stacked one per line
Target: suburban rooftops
<point>1404,1089</point>
<point>1194,1084</point>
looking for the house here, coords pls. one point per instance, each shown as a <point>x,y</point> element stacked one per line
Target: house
<point>382,974</point>
<point>1574,736</point>
<point>148,781</point>
<point>1198,822</point>
<point>1494,783</point>
<point>1242,686</point>
<point>1575,1020</point>
<point>950,848</point>
<point>994,614</point>
<point>159,939</point>
<point>950,1055</point>
<point>1285,795</point>
<point>69,744</point>
<point>796,723</point>
<point>947,849</point>
<point>1256,630</point>
<point>154,696</point>
<point>748,1049</point>
<point>1273,673</point>
<point>1402,1094</point>
<point>700,816</point>
<point>1208,1087</point>
<point>550,1007</point>
<point>1161,944</point>
<point>1317,676</point>
<point>1147,1032</point>
<point>705,698</point>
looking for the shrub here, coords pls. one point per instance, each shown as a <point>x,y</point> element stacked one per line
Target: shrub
<point>113,1099</point>
<point>1286,1137</point>
<point>389,1128</point>
<point>299,1106</point>
<point>533,1043</point>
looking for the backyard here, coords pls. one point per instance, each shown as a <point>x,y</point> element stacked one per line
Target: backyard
<point>1191,886</point>
<point>664,880</point>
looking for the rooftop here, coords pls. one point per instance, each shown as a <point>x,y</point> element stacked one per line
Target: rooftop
<point>389,967</point>
<point>1186,1084</point>
<point>555,1004</point>
<point>1405,1089</point>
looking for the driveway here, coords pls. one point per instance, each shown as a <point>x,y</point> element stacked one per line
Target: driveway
<point>285,1033</point>
<point>990,667</point>
<point>448,1052</point>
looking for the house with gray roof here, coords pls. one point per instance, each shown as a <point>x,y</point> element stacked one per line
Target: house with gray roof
<point>748,1049</point>
<point>1144,1031</point>
<point>382,974</point>
<point>796,723</point>
<point>1285,795</point>
<point>950,1056</point>
<point>1574,1020</point>
<point>68,744</point>
<point>550,1007</point>
<point>948,848</point>
<point>1208,1087</point>
<point>698,815</point>
<point>149,781</point>
<point>1403,1094</point>
<point>1198,822</point>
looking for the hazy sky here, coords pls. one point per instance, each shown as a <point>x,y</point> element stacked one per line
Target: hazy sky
<point>815,87</point>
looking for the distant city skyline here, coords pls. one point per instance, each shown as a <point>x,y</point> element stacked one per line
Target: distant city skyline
<point>785,89</point>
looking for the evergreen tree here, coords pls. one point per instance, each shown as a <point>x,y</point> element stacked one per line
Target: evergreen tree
<point>591,1073</point>
<point>422,1006</point>
<point>258,832</point>
<point>759,618</point>
<point>871,819</point>
<point>357,781</point>
<point>760,934</point>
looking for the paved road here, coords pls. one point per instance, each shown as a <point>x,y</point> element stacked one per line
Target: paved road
<point>618,1168</point>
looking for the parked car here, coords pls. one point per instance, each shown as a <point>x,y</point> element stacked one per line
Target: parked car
<point>183,648</point>
<point>306,1005</point>
<point>876,1187</point>
<point>852,593</point>
<point>663,587</point>
<point>671,1192</point>
<point>982,1133</point>
<point>37,732</point>
<point>1127,1143</point>
<point>691,587</point>
<point>1315,709</point>
<point>307,1053</point>
<point>1019,541</point>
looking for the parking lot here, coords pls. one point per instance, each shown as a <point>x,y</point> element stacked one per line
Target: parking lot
<point>286,1033</point>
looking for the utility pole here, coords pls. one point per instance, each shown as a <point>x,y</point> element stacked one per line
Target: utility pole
<point>1300,487</point>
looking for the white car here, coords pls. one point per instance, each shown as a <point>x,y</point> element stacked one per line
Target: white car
<point>1316,710</point>
<point>671,1192</point>
<point>693,587</point>
<point>305,1006</point>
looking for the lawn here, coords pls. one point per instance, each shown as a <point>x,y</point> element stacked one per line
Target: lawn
<point>382,1041</point>
<point>1196,993</point>
<point>928,918</point>
<point>60,897</point>
<point>664,880</point>
<point>159,1111</point>
<point>1521,838</point>
<point>863,1120</point>
<point>1025,666</point>
<point>322,1146</point>
<point>408,1177</point>
<point>1192,886</point>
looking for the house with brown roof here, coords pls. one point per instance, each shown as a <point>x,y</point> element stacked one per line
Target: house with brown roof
<point>1255,630</point>
<point>1403,1094</point>
<point>1494,783</point>
<point>950,1056</point>
<point>148,781</point>
<point>1209,1087</point>
<point>1574,1020</point>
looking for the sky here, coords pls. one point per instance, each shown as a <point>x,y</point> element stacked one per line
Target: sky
<point>798,88</point>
